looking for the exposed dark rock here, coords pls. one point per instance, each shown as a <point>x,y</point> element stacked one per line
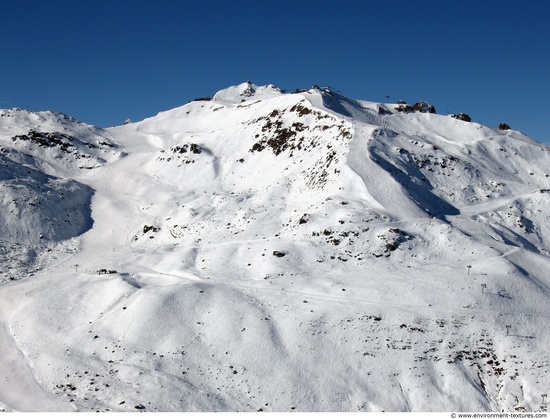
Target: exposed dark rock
<point>462,117</point>
<point>300,110</point>
<point>424,107</point>
<point>147,229</point>
<point>404,108</point>
<point>184,148</point>
<point>49,139</point>
<point>249,91</point>
<point>280,138</point>
<point>195,148</point>
<point>391,247</point>
<point>278,253</point>
<point>421,106</point>
<point>503,127</point>
<point>304,219</point>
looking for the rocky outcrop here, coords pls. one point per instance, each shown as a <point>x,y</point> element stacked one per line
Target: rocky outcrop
<point>421,106</point>
<point>404,108</point>
<point>424,107</point>
<point>462,117</point>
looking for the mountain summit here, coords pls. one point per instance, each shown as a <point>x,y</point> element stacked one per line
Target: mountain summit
<point>274,251</point>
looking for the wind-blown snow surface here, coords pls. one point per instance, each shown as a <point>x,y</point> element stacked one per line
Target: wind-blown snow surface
<point>274,251</point>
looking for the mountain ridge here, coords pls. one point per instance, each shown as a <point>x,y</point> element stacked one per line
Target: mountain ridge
<point>276,251</point>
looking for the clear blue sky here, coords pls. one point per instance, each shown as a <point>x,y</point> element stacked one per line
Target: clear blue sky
<point>104,61</point>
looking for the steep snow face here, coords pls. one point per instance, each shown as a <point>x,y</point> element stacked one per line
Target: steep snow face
<point>37,206</point>
<point>38,212</point>
<point>279,252</point>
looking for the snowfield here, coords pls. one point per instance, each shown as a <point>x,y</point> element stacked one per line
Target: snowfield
<point>273,251</point>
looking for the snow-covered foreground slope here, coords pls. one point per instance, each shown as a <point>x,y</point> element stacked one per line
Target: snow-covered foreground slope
<point>275,251</point>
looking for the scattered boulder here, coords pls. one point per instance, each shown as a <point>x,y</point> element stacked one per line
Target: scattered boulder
<point>195,148</point>
<point>184,148</point>
<point>503,127</point>
<point>462,117</point>
<point>278,253</point>
<point>304,219</point>
<point>147,229</point>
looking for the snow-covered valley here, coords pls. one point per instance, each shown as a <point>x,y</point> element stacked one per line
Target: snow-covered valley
<point>273,251</point>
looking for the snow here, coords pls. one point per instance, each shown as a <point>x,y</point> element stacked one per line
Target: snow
<point>275,251</point>
<point>246,91</point>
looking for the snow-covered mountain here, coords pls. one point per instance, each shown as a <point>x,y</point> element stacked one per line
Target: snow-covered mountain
<point>274,251</point>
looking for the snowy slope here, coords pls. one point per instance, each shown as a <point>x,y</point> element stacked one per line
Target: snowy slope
<point>278,251</point>
<point>42,204</point>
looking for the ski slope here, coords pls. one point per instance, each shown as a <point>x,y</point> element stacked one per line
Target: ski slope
<point>273,251</point>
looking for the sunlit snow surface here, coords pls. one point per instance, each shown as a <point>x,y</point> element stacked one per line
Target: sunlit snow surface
<point>275,251</point>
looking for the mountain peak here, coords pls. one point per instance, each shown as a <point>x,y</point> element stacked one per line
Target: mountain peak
<point>246,91</point>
